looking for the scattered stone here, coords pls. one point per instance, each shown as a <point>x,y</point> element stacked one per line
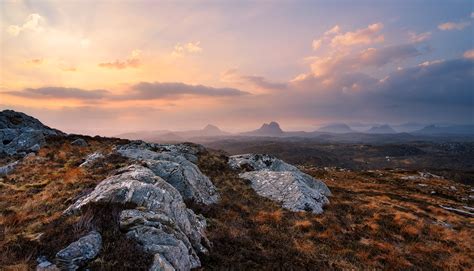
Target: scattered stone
<point>80,252</point>
<point>422,185</point>
<point>160,223</point>
<point>172,163</point>
<point>274,179</point>
<point>458,211</point>
<point>5,170</point>
<point>45,265</point>
<point>79,142</point>
<point>91,158</point>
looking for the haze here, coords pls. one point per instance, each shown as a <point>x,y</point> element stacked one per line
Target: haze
<point>98,67</point>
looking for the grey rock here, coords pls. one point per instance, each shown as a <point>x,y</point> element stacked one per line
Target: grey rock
<point>45,265</point>
<point>91,158</point>
<point>284,183</point>
<point>160,223</point>
<point>79,142</point>
<point>170,163</point>
<point>21,134</point>
<point>80,252</point>
<point>296,192</point>
<point>5,170</point>
<point>253,162</point>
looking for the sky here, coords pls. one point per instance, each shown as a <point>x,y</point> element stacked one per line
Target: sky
<point>107,67</point>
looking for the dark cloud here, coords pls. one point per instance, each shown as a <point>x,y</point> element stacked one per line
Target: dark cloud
<point>149,91</point>
<point>140,91</point>
<point>60,93</point>
<point>385,55</point>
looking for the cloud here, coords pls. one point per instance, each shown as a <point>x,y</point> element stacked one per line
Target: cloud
<point>472,14</point>
<point>453,26</point>
<point>366,36</point>
<point>469,54</point>
<point>338,62</point>
<point>259,82</point>
<point>140,91</point>
<point>60,93</point>
<point>334,30</point>
<point>33,23</point>
<point>35,61</point>
<point>157,90</point>
<point>414,37</point>
<point>317,44</point>
<point>188,48</point>
<point>132,62</point>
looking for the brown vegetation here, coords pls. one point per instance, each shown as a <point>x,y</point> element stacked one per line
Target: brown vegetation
<point>376,220</point>
<point>34,196</point>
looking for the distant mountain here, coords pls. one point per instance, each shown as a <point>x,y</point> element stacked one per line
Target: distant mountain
<point>408,127</point>
<point>381,129</point>
<point>172,136</point>
<point>446,130</point>
<point>267,129</point>
<point>340,128</point>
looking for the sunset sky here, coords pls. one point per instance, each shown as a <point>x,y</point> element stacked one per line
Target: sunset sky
<point>106,67</point>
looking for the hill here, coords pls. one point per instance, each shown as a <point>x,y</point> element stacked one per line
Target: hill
<point>381,129</point>
<point>336,128</point>
<point>267,129</point>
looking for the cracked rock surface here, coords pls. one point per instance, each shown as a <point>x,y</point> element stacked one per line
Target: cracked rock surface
<point>274,179</point>
<point>160,222</point>
<point>176,165</point>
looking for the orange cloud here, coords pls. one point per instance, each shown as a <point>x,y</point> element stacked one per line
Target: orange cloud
<point>453,26</point>
<point>368,35</point>
<point>469,54</point>
<point>36,61</point>
<point>132,62</point>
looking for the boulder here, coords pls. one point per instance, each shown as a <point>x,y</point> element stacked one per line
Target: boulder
<point>160,222</point>
<point>172,163</point>
<point>284,183</point>
<point>79,142</point>
<point>80,252</point>
<point>6,169</point>
<point>91,158</point>
<point>21,134</point>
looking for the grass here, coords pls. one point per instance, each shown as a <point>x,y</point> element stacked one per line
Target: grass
<point>375,219</point>
<point>34,196</point>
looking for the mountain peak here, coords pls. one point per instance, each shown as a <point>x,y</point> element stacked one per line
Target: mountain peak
<point>211,127</point>
<point>270,128</point>
<point>382,129</point>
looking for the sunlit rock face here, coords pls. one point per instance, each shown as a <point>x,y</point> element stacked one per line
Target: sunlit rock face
<point>176,165</point>
<point>161,223</point>
<point>21,134</point>
<point>284,183</point>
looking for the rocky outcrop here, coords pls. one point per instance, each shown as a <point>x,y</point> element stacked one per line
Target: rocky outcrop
<point>79,142</point>
<point>21,134</point>
<point>6,169</point>
<point>160,222</point>
<point>80,252</point>
<point>176,165</point>
<point>274,179</point>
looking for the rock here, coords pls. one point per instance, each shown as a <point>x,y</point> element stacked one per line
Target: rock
<point>45,265</point>
<point>171,162</point>
<point>80,252</point>
<point>5,170</point>
<point>160,222</point>
<point>274,179</point>
<point>21,134</point>
<point>79,142</point>
<point>91,158</point>
<point>252,162</point>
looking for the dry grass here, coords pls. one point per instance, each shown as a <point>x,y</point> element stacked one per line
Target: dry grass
<point>375,220</point>
<point>34,196</point>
